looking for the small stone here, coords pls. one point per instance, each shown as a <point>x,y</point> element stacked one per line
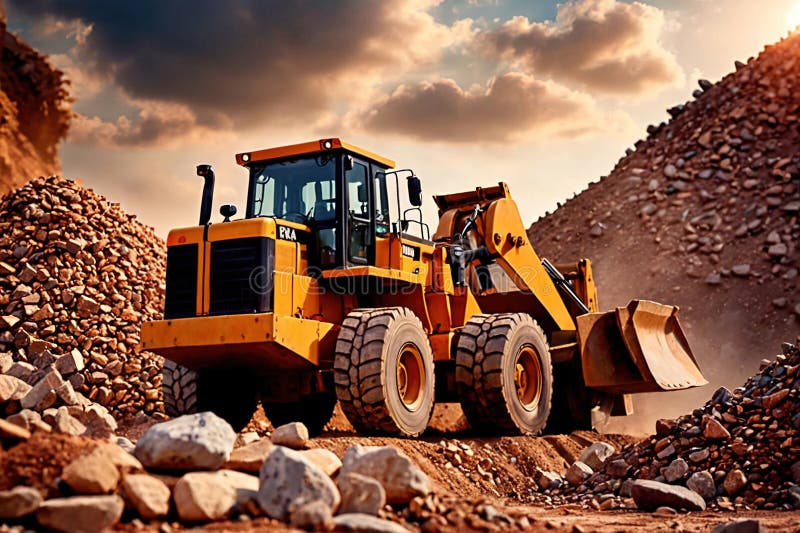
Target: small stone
<point>578,473</point>
<point>596,230</point>
<point>19,501</point>
<point>91,474</point>
<point>703,484</point>
<point>713,429</point>
<point>664,426</point>
<point>250,457</point>
<point>676,470</point>
<point>43,395</point>
<point>778,250</point>
<point>650,495</point>
<point>364,523</point>
<point>401,478</point>
<point>735,481</point>
<point>12,389</point>
<point>713,279</point>
<point>596,454</point>
<point>293,435</point>
<point>548,480</point>
<point>198,441</point>
<point>699,456</point>
<point>748,525</point>
<point>780,302</point>
<point>618,468</point>
<point>649,209</point>
<point>21,370</point>
<point>312,516</point>
<point>360,494</point>
<point>81,513</point>
<point>12,431</point>
<point>87,306</point>
<point>148,495</point>
<point>70,363</point>
<point>326,460</point>
<point>665,511</point>
<point>667,451</point>
<point>67,424</point>
<point>201,496</point>
<point>289,479</point>
<point>742,270</point>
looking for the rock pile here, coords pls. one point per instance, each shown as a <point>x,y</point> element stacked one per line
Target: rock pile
<point>710,201</point>
<point>77,277</point>
<point>741,450</point>
<point>51,404</point>
<point>187,468</point>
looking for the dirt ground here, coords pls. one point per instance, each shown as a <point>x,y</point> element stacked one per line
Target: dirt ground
<point>507,483</point>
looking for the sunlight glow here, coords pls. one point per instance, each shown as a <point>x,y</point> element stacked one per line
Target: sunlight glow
<point>793,17</point>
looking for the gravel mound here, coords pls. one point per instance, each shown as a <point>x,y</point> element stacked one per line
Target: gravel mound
<point>78,276</point>
<point>703,213</point>
<point>741,450</point>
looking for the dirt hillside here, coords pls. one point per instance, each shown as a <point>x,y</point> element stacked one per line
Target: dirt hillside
<point>703,214</point>
<point>34,112</point>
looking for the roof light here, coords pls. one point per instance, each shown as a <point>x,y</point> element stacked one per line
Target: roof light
<point>328,144</point>
<point>245,157</point>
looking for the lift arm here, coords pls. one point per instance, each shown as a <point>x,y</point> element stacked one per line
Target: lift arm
<point>500,229</point>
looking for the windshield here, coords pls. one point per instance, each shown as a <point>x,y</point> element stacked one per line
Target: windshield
<point>299,190</point>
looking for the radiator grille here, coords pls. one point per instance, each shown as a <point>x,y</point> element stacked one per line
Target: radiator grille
<point>181,295</point>
<point>241,272</point>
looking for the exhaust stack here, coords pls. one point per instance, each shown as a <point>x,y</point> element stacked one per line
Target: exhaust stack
<point>207,173</point>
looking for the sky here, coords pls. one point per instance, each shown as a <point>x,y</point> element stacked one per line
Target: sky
<point>543,95</point>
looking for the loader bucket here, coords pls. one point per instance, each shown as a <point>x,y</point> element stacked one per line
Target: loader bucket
<point>638,348</point>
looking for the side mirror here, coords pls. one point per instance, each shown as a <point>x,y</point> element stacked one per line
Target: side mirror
<point>362,193</point>
<point>227,211</point>
<point>414,191</point>
<point>348,162</point>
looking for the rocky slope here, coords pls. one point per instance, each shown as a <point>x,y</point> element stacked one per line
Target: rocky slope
<point>703,214</point>
<point>34,112</point>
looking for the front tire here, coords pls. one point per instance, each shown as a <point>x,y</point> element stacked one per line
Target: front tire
<point>503,374</point>
<point>383,371</point>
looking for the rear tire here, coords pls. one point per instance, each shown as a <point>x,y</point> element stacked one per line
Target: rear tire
<point>227,395</point>
<point>179,388</point>
<point>504,377</point>
<point>384,372</point>
<point>314,411</point>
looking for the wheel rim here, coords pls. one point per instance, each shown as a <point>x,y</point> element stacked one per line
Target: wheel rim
<point>528,377</point>
<point>410,377</point>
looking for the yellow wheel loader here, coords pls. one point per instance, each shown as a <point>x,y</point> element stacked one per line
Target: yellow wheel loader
<point>332,288</point>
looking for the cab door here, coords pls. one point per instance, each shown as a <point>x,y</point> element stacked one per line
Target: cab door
<point>359,221</point>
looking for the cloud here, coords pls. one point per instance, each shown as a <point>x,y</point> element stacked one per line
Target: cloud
<point>603,45</point>
<point>510,107</point>
<point>254,63</point>
<point>156,124</point>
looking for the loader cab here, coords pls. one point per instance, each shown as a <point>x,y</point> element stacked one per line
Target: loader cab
<point>340,196</point>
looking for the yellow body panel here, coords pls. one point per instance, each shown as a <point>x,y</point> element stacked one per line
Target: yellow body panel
<point>263,341</point>
<point>362,271</point>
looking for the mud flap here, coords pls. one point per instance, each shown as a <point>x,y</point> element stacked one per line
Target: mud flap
<point>638,348</point>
